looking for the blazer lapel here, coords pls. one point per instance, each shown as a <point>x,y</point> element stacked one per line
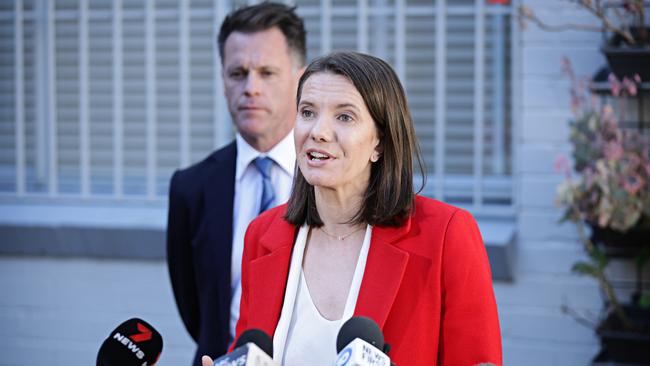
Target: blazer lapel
<point>383,275</point>
<point>219,193</point>
<point>268,275</point>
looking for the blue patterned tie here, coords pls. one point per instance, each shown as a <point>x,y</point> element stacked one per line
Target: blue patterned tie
<point>268,194</point>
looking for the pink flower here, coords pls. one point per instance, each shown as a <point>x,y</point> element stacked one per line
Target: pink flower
<point>632,184</point>
<point>631,161</point>
<point>614,84</point>
<point>575,103</point>
<point>613,150</point>
<point>631,6</point>
<point>589,175</point>
<point>561,165</point>
<point>608,114</point>
<point>629,86</point>
<point>565,65</point>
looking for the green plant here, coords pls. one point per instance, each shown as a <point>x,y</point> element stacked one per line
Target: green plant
<point>611,188</point>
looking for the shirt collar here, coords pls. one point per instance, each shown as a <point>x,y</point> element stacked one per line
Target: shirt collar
<point>283,153</point>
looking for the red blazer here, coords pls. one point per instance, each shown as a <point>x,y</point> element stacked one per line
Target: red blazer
<point>427,284</point>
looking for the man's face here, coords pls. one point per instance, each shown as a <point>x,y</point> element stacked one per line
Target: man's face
<point>260,83</point>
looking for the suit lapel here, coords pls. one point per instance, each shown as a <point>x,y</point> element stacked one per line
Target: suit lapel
<point>215,255</point>
<point>383,275</point>
<point>219,195</point>
<point>268,275</point>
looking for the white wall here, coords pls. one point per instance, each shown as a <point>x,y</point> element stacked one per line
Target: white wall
<point>535,329</point>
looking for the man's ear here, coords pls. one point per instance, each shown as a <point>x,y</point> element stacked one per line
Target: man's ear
<point>300,72</point>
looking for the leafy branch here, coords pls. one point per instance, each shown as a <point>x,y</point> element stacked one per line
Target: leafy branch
<point>596,268</point>
<point>621,26</point>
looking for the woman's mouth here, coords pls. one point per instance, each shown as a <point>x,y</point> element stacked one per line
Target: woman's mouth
<point>317,155</point>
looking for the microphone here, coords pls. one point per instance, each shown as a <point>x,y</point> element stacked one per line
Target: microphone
<point>133,343</point>
<point>253,348</point>
<point>360,343</point>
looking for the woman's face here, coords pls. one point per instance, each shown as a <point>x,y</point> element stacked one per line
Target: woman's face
<point>336,138</point>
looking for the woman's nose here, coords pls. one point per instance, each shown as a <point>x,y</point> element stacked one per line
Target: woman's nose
<point>321,130</point>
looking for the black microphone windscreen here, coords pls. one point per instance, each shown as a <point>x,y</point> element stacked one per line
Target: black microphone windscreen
<point>257,337</point>
<point>359,327</point>
<point>133,342</point>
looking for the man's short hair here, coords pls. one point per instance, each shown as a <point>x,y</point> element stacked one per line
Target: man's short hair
<point>264,16</point>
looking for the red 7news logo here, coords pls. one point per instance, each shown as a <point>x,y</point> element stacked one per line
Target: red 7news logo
<point>144,335</point>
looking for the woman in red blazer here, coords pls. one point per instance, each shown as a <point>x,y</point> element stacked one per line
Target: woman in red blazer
<point>354,239</point>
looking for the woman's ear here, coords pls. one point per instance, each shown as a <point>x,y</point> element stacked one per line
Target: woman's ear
<point>376,154</point>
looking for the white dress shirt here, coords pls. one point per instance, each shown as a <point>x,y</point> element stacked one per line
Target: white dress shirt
<point>248,194</point>
<point>303,336</point>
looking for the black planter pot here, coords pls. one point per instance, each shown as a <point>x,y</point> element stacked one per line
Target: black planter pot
<point>628,61</point>
<point>621,244</point>
<point>622,347</point>
<point>625,60</point>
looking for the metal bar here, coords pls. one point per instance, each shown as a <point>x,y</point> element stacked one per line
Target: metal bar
<point>400,40</point>
<point>184,82</point>
<point>51,117</point>
<point>222,128</point>
<point>326,26</point>
<point>40,57</point>
<point>118,102</point>
<point>362,26</point>
<point>150,50</point>
<point>440,99</point>
<point>479,101</point>
<point>380,27</point>
<point>19,98</point>
<point>515,109</point>
<point>84,128</point>
<point>498,95</point>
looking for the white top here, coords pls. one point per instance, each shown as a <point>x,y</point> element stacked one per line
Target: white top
<point>303,336</point>
<point>248,193</point>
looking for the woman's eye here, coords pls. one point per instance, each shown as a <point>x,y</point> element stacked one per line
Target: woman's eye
<point>306,113</point>
<point>345,118</point>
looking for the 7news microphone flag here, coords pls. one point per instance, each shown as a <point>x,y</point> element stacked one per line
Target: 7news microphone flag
<point>133,343</point>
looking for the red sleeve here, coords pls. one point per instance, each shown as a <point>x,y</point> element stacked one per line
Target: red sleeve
<point>470,325</point>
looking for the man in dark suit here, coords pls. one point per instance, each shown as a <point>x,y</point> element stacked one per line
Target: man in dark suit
<point>262,49</point>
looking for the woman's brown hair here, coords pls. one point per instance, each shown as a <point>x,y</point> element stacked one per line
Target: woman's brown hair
<point>390,196</point>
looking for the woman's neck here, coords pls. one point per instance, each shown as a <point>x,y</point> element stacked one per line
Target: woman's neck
<point>336,210</point>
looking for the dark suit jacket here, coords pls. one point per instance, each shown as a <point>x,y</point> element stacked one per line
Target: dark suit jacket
<point>199,240</point>
<point>427,284</point>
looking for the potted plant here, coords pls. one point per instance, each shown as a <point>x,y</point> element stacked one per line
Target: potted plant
<point>608,190</point>
<point>626,30</point>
